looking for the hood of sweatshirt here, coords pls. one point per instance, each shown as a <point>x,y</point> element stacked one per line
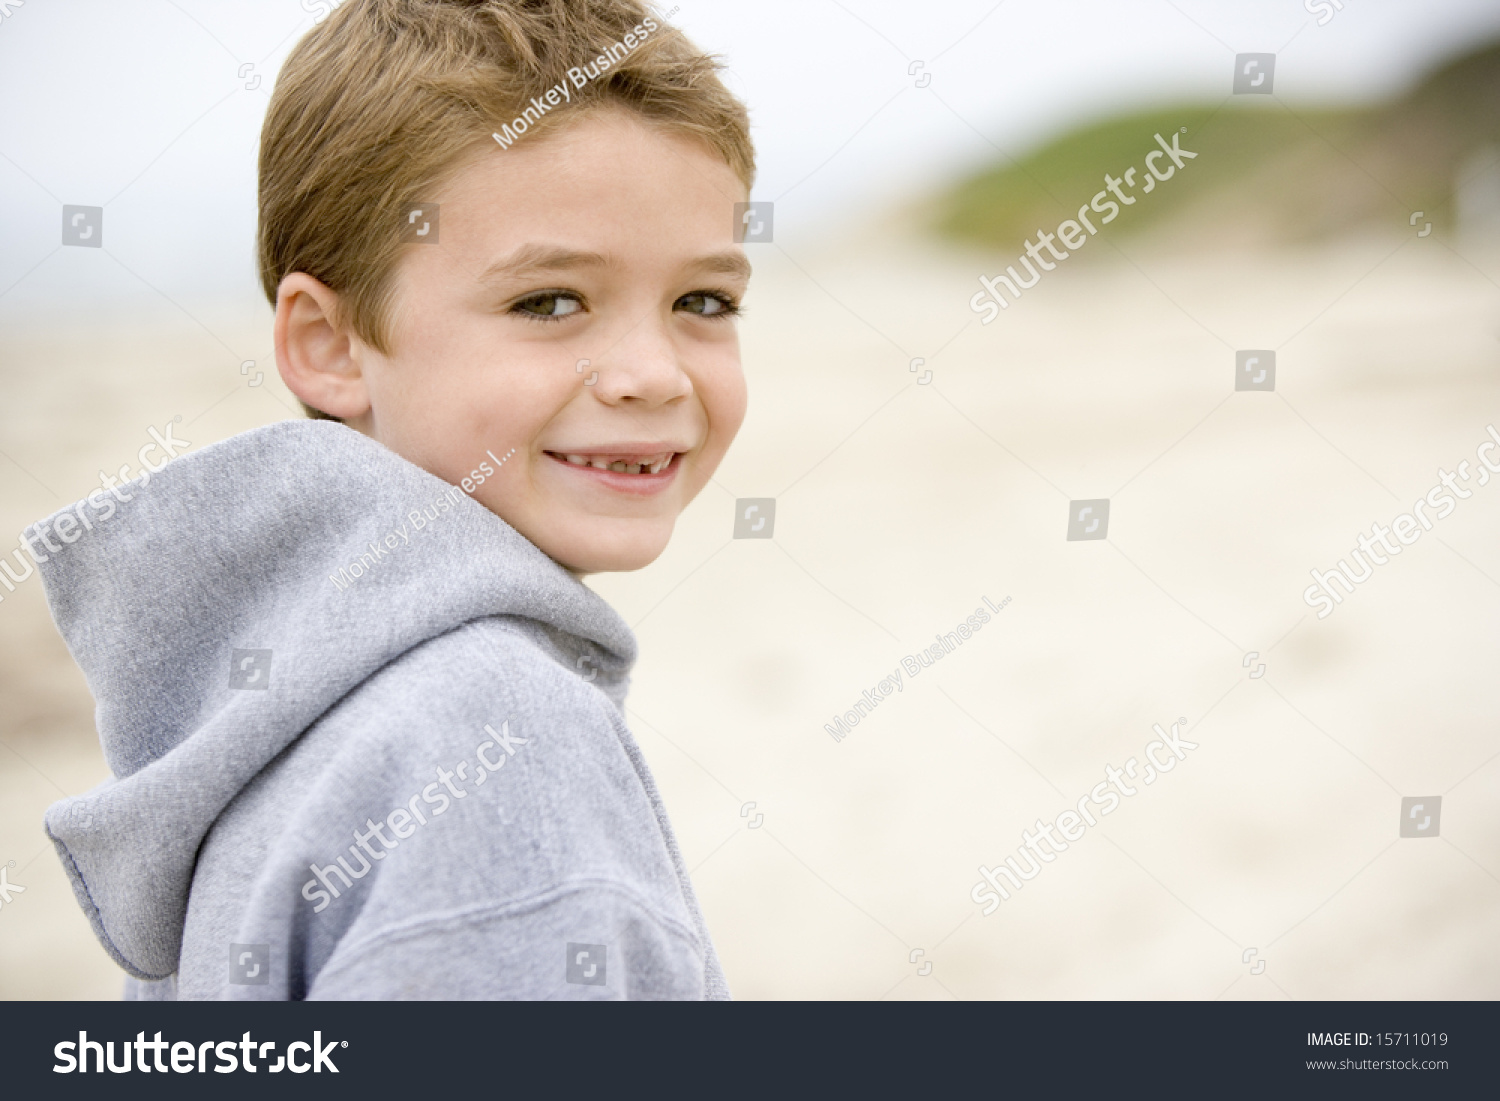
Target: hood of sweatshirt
<point>302,554</point>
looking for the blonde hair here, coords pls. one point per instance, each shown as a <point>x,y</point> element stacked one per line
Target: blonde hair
<point>379,104</point>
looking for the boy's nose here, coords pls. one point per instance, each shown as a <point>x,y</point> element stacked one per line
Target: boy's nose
<point>644,366</point>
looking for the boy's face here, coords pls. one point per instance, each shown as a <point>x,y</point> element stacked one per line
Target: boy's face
<point>577,315</point>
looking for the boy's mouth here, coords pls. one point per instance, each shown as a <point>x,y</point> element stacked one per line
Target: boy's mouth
<point>631,463</point>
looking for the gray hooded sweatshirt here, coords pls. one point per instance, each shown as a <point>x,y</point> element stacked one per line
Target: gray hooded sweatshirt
<point>366,742</point>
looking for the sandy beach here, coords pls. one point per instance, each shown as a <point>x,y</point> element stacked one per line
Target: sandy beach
<point>903,506</point>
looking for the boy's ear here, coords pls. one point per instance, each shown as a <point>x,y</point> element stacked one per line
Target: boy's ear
<point>318,359</point>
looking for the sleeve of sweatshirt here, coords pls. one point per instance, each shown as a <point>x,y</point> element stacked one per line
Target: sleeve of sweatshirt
<point>485,830</point>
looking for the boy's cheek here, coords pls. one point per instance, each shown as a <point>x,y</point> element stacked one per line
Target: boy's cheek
<point>726,410</point>
<point>724,394</point>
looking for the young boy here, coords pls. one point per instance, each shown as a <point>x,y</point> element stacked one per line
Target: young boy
<point>364,718</point>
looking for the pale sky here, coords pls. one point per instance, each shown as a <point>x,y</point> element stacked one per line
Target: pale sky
<point>139,107</point>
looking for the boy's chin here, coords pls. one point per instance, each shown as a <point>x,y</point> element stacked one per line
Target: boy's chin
<point>614,552</point>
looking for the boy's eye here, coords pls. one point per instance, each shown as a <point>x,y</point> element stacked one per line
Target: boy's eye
<point>707,304</point>
<point>548,306</point>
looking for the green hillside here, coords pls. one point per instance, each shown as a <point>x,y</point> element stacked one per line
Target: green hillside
<point>1265,169</point>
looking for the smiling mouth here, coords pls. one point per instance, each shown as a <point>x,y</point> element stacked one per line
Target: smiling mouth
<point>619,464</point>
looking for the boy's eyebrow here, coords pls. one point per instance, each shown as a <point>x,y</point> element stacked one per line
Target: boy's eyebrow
<point>529,259</point>
<point>533,258</point>
<point>723,263</point>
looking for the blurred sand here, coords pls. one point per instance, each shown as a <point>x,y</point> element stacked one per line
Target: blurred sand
<point>899,507</point>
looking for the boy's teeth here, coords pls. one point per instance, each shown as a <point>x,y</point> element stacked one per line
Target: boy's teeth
<point>620,466</point>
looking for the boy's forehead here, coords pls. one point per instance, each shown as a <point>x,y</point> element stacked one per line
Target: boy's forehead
<point>592,194</point>
<point>603,153</point>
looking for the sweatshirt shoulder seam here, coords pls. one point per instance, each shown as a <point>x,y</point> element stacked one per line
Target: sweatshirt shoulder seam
<point>422,924</point>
